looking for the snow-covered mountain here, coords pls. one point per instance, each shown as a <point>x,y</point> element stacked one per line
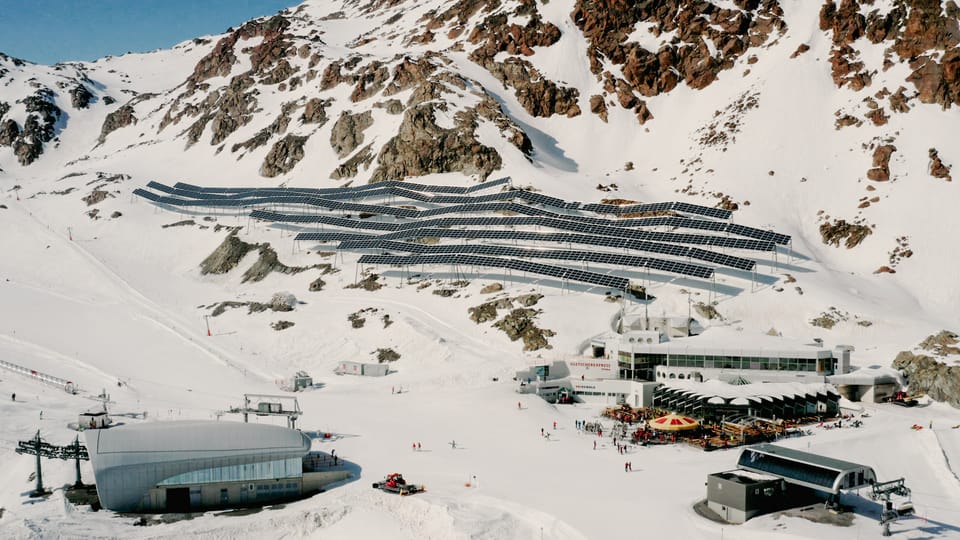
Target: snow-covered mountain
<point>833,122</point>
<point>829,122</point>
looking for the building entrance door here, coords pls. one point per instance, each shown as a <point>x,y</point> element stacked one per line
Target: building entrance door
<point>178,499</point>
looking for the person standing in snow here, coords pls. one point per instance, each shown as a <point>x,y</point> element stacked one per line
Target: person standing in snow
<point>554,424</point>
<point>519,406</point>
<point>13,396</point>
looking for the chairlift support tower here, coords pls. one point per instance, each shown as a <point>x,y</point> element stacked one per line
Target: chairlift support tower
<point>881,492</point>
<point>270,405</point>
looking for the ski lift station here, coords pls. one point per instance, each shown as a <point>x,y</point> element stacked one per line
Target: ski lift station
<point>187,466</point>
<point>771,478</point>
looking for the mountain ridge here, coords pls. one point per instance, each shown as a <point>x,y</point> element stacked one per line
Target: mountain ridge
<point>802,118</point>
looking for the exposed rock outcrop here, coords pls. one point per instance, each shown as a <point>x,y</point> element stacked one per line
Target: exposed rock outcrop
<point>923,33</point>
<point>350,167</point>
<point>937,167</point>
<point>277,127</point>
<point>80,97</point>
<point>117,119</point>
<point>520,324</point>
<point>881,163</point>
<point>422,147</point>
<point>227,255</point>
<point>347,132</point>
<point>943,343</point>
<point>315,111</point>
<point>607,25</point>
<point>841,231</point>
<point>39,127</point>
<point>9,131</point>
<point>928,376</point>
<point>283,156</point>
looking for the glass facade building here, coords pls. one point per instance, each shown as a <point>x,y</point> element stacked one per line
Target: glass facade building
<point>265,470</point>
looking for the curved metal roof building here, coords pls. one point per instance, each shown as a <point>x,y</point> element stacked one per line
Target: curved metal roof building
<point>176,466</point>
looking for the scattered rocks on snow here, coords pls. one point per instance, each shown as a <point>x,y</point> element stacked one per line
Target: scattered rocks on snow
<point>183,223</point>
<point>387,355</point>
<point>368,283</point>
<point>707,311</point>
<point>491,288</point>
<point>849,233</point>
<point>281,325</point>
<point>96,196</point>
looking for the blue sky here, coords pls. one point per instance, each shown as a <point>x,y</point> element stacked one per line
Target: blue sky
<point>50,31</point>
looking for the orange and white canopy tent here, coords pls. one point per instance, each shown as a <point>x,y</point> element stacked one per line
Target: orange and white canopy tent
<point>674,422</point>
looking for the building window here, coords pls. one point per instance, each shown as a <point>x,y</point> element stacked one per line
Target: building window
<point>265,470</point>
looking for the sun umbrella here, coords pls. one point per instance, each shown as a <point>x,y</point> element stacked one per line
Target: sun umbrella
<point>674,422</point>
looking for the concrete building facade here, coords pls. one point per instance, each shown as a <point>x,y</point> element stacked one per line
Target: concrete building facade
<point>738,495</point>
<point>183,466</point>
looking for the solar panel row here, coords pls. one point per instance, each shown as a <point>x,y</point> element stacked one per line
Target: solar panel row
<point>719,259</point>
<point>409,190</point>
<point>540,221</point>
<point>360,188</point>
<point>583,276</point>
<point>686,208</point>
<point>674,267</point>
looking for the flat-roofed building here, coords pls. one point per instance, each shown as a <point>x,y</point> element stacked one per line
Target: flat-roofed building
<point>739,495</point>
<point>723,354</point>
<point>182,466</point>
<point>717,400</point>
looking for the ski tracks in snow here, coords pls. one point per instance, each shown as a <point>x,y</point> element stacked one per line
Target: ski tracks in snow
<point>150,310</point>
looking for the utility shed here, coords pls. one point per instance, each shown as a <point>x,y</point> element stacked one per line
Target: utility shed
<point>360,368</point>
<point>805,469</point>
<point>739,495</point>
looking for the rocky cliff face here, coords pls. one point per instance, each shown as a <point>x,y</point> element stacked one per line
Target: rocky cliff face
<point>683,58</point>
<point>921,33</point>
<point>925,375</point>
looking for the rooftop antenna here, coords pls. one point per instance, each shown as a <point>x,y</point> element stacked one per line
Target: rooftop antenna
<point>104,399</point>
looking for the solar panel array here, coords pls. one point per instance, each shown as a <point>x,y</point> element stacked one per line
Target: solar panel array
<point>583,276</point>
<point>185,194</point>
<point>569,223</point>
<point>563,255</point>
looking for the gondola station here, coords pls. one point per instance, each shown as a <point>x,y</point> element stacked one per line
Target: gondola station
<point>771,478</point>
